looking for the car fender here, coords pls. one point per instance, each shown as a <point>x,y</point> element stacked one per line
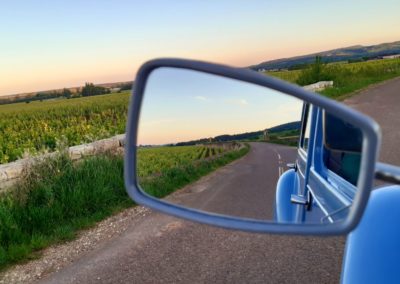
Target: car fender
<point>372,253</point>
<point>284,208</point>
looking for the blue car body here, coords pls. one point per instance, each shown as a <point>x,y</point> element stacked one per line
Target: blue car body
<point>372,253</point>
<point>327,194</point>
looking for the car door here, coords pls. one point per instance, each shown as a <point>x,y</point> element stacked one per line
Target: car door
<point>327,175</point>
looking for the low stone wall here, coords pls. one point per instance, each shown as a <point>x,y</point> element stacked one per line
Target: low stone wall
<point>11,172</point>
<point>319,86</point>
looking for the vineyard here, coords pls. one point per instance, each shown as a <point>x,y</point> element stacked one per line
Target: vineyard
<point>160,169</point>
<point>43,126</point>
<point>32,128</point>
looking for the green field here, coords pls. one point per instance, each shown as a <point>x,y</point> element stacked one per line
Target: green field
<point>29,129</point>
<point>57,197</point>
<point>42,126</point>
<point>347,77</point>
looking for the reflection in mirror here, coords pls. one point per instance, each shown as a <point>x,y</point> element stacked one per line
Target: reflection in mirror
<point>221,145</point>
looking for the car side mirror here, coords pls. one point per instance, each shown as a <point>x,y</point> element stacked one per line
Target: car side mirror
<point>209,143</point>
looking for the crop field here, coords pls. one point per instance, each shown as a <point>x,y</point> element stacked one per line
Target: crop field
<point>43,126</point>
<point>160,169</point>
<point>157,159</point>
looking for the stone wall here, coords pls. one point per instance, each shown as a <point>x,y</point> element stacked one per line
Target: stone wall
<point>319,86</point>
<point>11,172</point>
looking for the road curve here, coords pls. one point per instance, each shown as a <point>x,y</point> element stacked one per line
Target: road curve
<point>245,188</point>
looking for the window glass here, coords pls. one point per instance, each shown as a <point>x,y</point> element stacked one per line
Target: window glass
<point>342,148</point>
<point>306,129</point>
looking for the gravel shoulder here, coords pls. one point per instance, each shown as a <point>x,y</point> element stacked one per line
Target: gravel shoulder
<point>54,258</point>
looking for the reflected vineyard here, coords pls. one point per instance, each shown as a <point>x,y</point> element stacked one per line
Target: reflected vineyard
<point>163,169</point>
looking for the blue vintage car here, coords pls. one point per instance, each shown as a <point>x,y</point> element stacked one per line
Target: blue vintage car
<point>329,189</point>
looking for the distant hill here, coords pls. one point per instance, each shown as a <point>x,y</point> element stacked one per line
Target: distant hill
<point>341,54</point>
<point>296,125</point>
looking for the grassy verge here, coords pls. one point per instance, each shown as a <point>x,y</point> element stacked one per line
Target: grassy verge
<point>175,178</point>
<point>57,198</point>
<point>348,78</point>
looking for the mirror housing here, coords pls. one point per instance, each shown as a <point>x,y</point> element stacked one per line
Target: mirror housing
<point>368,127</point>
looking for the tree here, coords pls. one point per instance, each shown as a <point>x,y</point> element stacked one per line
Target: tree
<point>66,93</point>
<point>315,73</point>
<point>91,90</point>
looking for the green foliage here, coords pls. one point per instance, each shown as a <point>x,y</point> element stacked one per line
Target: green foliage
<point>126,87</point>
<point>56,197</point>
<point>163,170</point>
<point>315,73</point>
<point>91,90</point>
<point>40,126</point>
<point>66,93</point>
<point>54,200</point>
<point>347,78</point>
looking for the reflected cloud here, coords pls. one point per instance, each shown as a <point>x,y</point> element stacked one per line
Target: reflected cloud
<point>238,102</point>
<point>201,98</point>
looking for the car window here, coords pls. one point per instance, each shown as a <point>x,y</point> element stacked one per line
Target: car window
<point>306,129</point>
<point>342,148</point>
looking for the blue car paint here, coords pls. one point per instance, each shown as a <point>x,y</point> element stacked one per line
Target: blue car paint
<point>372,252</point>
<point>373,247</point>
<point>330,196</point>
<point>284,209</point>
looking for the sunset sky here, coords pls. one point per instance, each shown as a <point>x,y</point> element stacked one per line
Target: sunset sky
<point>182,105</point>
<point>54,44</point>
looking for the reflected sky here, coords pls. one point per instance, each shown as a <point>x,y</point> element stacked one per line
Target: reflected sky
<point>181,105</point>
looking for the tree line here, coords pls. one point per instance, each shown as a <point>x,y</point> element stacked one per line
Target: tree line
<point>86,91</point>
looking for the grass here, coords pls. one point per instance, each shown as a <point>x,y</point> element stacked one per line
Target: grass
<point>174,178</point>
<point>56,198</point>
<point>349,77</point>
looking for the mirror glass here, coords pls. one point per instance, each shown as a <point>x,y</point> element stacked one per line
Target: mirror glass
<point>230,147</point>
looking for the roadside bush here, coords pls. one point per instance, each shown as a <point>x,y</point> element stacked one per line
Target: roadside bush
<point>315,73</point>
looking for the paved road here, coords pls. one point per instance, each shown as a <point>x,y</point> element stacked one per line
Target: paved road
<point>245,188</point>
<point>382,102</point>
<point>158,248</point>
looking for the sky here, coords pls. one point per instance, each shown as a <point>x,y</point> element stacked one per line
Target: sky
<point>54,44</point>
<point>181,105</point>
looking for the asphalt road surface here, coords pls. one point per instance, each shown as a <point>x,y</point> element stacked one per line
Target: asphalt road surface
<point>245,188</point>
<point>160,249</point>
<point>382,102</point>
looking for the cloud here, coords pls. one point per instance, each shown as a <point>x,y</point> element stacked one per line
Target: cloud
<point>238,102</point>
<point>200,98</point>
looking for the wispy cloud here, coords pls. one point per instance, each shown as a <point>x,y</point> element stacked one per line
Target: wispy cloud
<point>200,98</point>
<point>238,102</point>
